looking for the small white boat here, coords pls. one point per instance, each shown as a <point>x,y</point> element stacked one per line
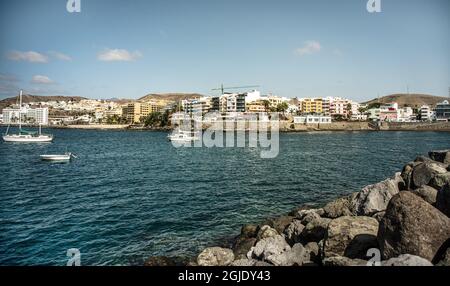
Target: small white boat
<point>182,136</point>
<point>59,158</point>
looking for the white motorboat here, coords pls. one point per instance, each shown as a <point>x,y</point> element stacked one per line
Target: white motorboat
<point>182,136</point>
<point>26,136</point>
<point>58,158</point>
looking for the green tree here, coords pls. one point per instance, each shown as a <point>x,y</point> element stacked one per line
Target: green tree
<point>266,104</point>
<point>282,107</point>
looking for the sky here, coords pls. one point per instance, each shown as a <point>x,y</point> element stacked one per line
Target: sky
<point>297,48</point>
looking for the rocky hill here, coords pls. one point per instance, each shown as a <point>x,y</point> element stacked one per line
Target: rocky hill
<point>413,100</point>
<point>26,98</point>
<point>169,97</point>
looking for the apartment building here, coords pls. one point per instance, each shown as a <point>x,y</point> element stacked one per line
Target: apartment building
<point>135,110</point>
<point>443,111</point>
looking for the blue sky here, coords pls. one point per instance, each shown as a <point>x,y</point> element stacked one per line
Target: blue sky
<point>127,49</point>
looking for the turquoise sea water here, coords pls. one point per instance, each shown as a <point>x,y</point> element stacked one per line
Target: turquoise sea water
<point>131,194</point>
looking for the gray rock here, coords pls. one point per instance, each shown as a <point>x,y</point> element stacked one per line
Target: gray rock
<point>375,198</point>
<point>215,256</point>
<point>295,256</point>
<point>242,246</point>
<point>338,208</point>
<point>444,260</point>
<point>412,226</point>
<point>440,180</point>
<point>309,217</point>
<point>424,172</point>
<point>312,248</point>
<point>266,231</point>
<point>443,200</point>
<point>244,262</point>
<point>407,260</point>
<point>407,174</point>
<point>343,261</point>
<point>266,247</point>
<point>379,215</point>
<point>442,156</point>
<point>315,230</point>
<point>249,230</point>
<point>427,193</point>
<point>279,223</point>
<point>301,215</point>
<point>351,236</point>
<point>293,231</point>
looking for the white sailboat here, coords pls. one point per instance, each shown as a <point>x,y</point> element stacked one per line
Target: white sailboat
<point>26,136</point>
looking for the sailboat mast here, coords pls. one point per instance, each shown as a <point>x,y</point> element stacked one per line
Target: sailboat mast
<point>20,110</point>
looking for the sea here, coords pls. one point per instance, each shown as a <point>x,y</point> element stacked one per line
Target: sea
<point>130,195</point>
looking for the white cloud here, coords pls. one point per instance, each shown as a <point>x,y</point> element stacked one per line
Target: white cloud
<point>60,56</point>
<point>109,55</point>
<point>309,48</point>
<point>41,79</point>
<point>30,56</point>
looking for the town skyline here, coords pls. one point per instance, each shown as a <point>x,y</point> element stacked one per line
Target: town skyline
<point>93,54</point>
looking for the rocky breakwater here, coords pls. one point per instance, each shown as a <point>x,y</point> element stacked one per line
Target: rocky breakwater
<point>401,221</point>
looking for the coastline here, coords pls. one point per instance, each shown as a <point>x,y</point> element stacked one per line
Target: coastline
<point>288,127</point>
<point>401,221</point>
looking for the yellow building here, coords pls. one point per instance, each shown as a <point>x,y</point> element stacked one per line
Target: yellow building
<point>255,106</point>
<point>136,110</point>
<point>311,105</point>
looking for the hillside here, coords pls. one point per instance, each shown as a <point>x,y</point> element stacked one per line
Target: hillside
<point>412,100</point>
<point>26,98</point>
<point>169,97</point>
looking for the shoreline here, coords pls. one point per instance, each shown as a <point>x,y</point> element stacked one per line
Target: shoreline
<point>288,127</point>
<point>403,220</point>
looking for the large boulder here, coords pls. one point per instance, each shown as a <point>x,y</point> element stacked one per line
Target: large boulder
<point>215,256</point>
<point>412,226</point>
<point>296,256</point>
<point>443,200</point>
<point>424,172</point>
<point>279,223</point>
<point>293,231</point>
<point>427,193</point>
<point>351,236</point>
<point>407,174</point>
<point>440,180</point>
<point>406,260</point>
<point>266,247</point>
<point>249,230</point>
<point>301,214</point>
<point>442,156</point>
<point>338,208</point>
<point>242,246</point>
<point>315,230</point>
<point>343,261</point>
<point>312,248</point>
<point>266,231</point>
<point>309,216</point>
<point>375,198</point>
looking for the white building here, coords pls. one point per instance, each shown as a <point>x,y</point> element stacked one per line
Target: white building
<point>426,114</point>
<point>312,119</point>
<point>28,115</point>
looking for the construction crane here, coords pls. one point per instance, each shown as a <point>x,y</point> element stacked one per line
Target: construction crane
<point>221,88</point>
